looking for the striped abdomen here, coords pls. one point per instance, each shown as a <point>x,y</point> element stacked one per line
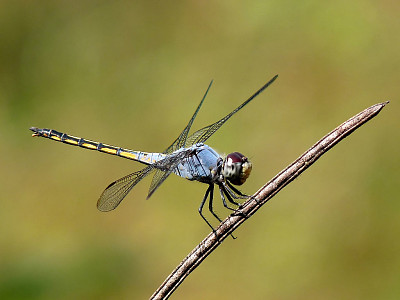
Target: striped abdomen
<point>143,157</point>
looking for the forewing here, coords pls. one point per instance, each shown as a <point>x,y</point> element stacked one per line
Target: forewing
<point>116,191</point>
<point>203,134</point>
<point>181,140</point>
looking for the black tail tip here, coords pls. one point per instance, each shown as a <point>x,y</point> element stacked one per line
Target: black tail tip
<point>36,131</point>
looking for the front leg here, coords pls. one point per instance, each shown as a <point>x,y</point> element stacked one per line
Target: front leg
<point>239,193</point>
<point>224,193</point>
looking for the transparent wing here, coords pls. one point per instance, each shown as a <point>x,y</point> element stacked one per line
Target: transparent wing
<point>116,191</point>
<point>158,179</point>
<point>165,167</point>
<point>203,134</point>
<point>181,139</point>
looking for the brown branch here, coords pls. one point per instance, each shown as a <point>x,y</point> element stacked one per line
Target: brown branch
<point>214,239</point>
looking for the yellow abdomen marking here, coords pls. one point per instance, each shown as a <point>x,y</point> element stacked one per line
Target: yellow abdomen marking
<point>108,150</point>
<point>128,155</point>
<point>89,146</point>
<point>69,141</point>
<point>55,137</point>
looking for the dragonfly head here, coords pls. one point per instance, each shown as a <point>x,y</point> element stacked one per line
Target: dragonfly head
<point>236,168</point>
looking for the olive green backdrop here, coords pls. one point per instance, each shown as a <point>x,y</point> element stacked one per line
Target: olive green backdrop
<point>130,73</point>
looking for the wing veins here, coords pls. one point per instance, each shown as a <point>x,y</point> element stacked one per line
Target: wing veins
<point>201,135</point>
<point>181,139</point>
<point>117,191</point>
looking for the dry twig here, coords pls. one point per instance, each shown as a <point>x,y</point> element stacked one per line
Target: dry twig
<point>213,240</point>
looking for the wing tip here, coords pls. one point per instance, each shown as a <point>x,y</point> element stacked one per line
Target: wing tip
<point>104,207</point>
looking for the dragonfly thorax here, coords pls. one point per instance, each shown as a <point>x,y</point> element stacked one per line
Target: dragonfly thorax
<point>236,168</point>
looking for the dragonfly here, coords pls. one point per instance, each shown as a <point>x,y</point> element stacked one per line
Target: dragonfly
<point>188,157</point>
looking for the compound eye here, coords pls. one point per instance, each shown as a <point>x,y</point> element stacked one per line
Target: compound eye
<point>236,157</point>
<point>237,168</point>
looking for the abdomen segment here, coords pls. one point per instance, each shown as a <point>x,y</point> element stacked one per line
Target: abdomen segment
<point>143,157</point>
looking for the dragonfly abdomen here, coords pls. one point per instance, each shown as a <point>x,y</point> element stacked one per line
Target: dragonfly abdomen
<point>140,156</point>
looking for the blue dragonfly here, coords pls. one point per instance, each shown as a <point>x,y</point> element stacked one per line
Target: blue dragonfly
<point>188,157</point>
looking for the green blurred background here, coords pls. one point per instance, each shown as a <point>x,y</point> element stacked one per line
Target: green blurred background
<point>130,73</point>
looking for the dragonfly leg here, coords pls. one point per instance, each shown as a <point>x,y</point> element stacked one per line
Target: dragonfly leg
<point>210,191</point>
<point>224,193</point>
<point>223,201</point>
<point>210,204</point>
<point>231,193</point>
<point>236,211</point>
<point>231,188</point>
<point>239,193</point>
